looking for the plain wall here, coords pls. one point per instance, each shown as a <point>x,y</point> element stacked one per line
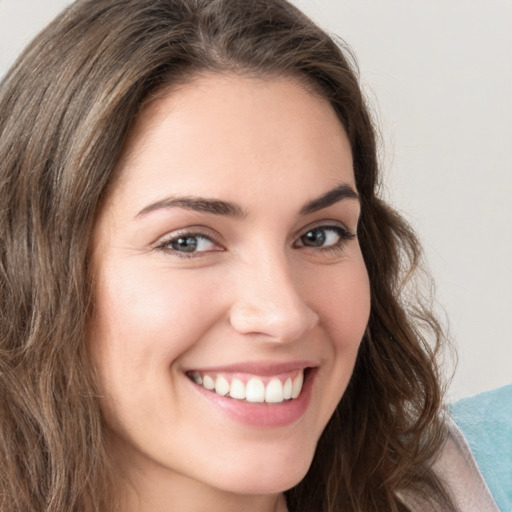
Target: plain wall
<point>439,76</point>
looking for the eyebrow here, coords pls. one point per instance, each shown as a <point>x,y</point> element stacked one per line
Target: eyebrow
<point>218,207</point>
<point>343,191</point>
<point>197,204</point>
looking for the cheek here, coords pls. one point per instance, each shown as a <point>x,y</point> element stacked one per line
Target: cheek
<point>345,309</point>
<point>344,305</point>
<point>144,319</point>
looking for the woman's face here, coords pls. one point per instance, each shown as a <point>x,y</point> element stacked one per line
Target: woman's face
<point>226,263</point>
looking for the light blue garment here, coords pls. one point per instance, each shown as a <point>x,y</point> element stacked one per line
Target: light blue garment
<point>486,422</point>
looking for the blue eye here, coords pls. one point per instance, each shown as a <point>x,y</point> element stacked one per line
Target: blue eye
<point>325,237</point>
<point>186,244</point>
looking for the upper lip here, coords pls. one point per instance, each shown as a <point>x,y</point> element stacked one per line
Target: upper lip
<point>265,369</point>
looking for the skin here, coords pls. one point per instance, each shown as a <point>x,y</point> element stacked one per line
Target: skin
<point>252,291</point>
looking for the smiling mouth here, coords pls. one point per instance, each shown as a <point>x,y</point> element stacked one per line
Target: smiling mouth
<point>252,388</point>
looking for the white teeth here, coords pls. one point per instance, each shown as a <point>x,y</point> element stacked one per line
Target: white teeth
<point>287,389</point>
<point>237,389</point>
<point>255,390</point>
<point>297,385</point>
<point>274,391</point>
<point>208,382</point>
<point>221,386</point>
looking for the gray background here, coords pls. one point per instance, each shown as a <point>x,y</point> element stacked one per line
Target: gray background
<point>439,75</point>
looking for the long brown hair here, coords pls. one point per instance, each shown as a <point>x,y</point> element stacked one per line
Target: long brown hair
<point>66,107</point>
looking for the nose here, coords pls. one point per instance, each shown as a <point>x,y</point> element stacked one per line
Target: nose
<point>269,303</point>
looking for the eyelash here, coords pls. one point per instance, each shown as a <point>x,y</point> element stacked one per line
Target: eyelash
<point>344,236</point>
<point>164,245</point>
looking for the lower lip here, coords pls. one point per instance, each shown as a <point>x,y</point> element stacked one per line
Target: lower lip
<point>263,415</point>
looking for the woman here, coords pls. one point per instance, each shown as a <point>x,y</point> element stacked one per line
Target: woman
<point>201,289</point>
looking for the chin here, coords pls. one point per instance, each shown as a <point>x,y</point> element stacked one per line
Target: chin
<point>272,475</point>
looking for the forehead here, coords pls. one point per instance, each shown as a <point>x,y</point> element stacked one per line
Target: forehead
<point>229,133</point>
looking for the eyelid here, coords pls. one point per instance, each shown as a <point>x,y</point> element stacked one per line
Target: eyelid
<point>324,223</point>
<point>344,235</point>
<point>194,231</point>
<point>200,231</point>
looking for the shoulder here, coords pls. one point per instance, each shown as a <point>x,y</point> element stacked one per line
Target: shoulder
<point>485,422</point>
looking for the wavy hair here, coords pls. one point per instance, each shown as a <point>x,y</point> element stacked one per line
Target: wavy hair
<point>66,107</point>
